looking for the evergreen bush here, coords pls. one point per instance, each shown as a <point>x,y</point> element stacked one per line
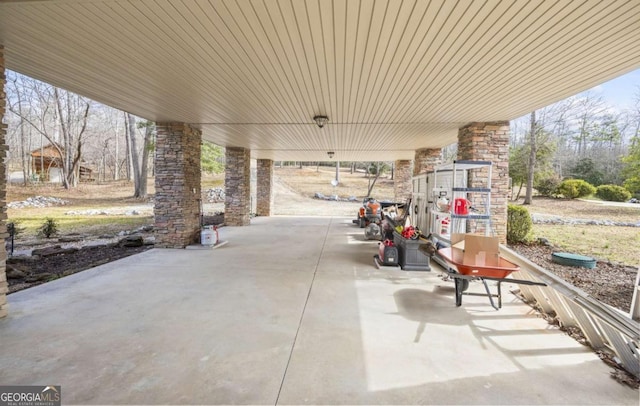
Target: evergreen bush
<point>547,186</point>
<point>613,193</point>
<point>574,188</point>
<point>48,228</point>
<point>518,223</point>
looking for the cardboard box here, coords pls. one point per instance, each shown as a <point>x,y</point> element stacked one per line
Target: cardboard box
<point>478,249</point>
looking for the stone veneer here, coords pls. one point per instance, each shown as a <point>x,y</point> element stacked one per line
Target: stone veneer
<point>264,199</point>
<point>426,159</point>
<point>489,141</point>
<point>402,184</point>
<point>4,286</point>
<point>237,182</point>
<point>177,199</point>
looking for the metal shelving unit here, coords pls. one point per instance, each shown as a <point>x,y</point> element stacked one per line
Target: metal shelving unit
<point>465,183</point>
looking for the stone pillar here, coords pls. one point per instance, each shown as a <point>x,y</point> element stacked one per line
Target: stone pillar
<point>426,159</point>
<point>4,285</point>
<point>264,187</point>
<point>177,199</point>
<point>489,141</point>
<point>402,185</point>
<point>237,183</point>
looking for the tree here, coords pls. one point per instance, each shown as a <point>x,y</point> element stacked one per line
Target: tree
<point>139,165</point>
<point>376,169</point>
<point>518,166</point>
<point>147,146</point>
<point>58,116</point>
<point>631,170</point>
<point>590,107</point>
<point>210,158</point>
<point>586,169</point>
<point>532,158</point>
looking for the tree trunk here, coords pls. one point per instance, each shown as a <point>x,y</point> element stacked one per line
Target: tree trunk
<point>532,160</point>
<point>23,153</point>
<point>145,161</point>
<point>127,150</point>
<point>373,183</point>
<point>519,191</point>
<point>64,158</point>
<point>116,172</point>
<point>135,165</point>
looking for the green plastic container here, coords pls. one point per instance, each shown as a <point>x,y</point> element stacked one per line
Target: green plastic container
<point>565,258</point>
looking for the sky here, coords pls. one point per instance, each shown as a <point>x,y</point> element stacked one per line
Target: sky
<point>619,91</point>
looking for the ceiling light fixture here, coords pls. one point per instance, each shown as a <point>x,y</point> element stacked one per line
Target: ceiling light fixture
<point>330,153</point>
<point>321,120</point>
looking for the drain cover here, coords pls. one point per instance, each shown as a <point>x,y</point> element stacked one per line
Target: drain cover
<point>565,258</point>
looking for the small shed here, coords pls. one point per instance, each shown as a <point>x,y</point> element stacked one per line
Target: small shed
<point>46,165</point>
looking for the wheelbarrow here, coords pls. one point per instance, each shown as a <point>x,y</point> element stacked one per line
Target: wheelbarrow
<point>462,273</point>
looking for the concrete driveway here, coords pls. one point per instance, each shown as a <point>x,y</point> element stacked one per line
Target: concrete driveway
<point>290,311</point>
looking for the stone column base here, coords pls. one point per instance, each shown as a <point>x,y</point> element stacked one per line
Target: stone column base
<point>177,199</point>
<point>264,187</point>
<point>237,183</point>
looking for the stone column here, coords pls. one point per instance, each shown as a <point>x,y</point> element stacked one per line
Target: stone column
<point>402,185</point>
<point>177,199</point>
<point>4,285</point>
<point>489,141</point>
<point>426,159</point>
<point>264,187</point>
<point>237,183</point>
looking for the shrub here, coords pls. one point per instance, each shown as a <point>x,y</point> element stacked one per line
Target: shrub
<point>548,186</point>
<point>613,193</point>
<point>518,223</point>
<point>48,228</point>
<point>574,188</point>
<point>13,228</point>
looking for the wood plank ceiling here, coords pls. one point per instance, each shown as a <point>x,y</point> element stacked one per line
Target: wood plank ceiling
<point>391,75</point>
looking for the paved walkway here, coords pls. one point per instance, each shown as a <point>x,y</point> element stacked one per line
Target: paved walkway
<point>290,311</point>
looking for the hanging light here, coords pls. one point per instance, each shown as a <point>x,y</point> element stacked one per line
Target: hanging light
<point>321,120</point>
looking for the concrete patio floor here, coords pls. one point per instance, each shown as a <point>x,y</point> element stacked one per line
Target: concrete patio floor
<point>290,311</point>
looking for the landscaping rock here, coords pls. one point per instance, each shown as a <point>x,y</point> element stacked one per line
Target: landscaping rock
<point>50,251</point>
<point>37,251</point>
<point>13,273</point>
<point>70,238</point>
<point>132,241</point>
<point>39,277</point>
<point>38,201</point>
<point>214,195</point>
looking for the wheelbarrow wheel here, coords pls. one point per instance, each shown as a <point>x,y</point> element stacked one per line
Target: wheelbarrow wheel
<point>461,286</point>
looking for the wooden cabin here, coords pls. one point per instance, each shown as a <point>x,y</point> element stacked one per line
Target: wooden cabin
<point>46,165</point>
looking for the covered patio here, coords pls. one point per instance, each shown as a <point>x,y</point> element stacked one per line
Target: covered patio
<point>290,311</point>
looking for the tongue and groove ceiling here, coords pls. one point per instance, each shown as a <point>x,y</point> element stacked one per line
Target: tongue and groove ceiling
<point>392,76</point>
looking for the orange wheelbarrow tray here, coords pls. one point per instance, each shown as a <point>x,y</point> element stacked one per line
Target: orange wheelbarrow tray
<point>463,273</point>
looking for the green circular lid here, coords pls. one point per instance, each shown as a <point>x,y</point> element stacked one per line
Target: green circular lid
<point>566,258</point>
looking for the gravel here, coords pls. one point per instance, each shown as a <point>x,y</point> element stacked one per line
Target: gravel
<point>38,201</point>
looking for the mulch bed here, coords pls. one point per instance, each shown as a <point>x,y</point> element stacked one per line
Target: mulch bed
<point>38,270</point>
<point>608,282</point>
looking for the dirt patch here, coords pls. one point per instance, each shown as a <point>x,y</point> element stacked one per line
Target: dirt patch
<point>27,271</point>
<point>609,282</point>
